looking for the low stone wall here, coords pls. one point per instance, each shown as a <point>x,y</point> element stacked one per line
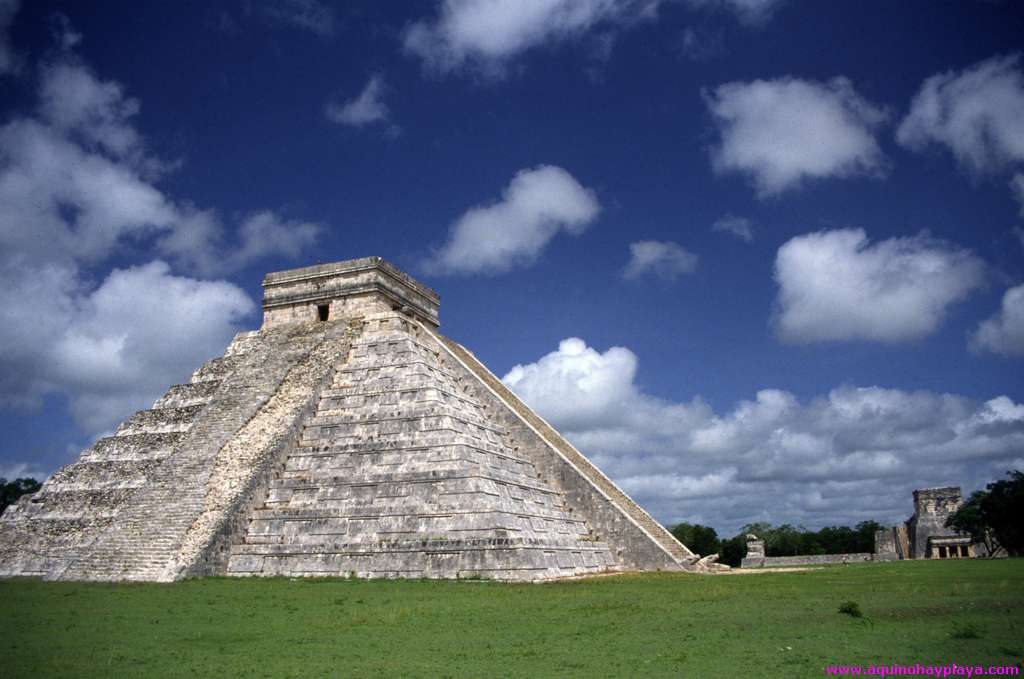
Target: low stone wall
<point>806,560</point>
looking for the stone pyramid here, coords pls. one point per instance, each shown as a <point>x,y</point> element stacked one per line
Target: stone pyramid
<point>347,436</point>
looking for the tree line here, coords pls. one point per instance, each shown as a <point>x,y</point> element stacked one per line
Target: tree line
<point>992,516</point>
<point>784,540</point>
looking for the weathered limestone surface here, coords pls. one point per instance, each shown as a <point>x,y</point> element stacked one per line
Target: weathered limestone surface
<point>886,545</point>
<point>347,436</point>
<point>348,289</point>
<point>402,472</point>
<point>932,506</point>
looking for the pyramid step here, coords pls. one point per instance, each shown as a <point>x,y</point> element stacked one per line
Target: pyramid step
<point>402,412</point>
<point>192,393</point>
<point>379,453</point>
<point>216,369</point>
<point>458,472</point>
<point>96,474</point>
<point>158,421</point>
<point>134,446</point>
<point>412,389</point>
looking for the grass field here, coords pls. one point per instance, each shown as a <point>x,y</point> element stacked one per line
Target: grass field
<point>775,625</point>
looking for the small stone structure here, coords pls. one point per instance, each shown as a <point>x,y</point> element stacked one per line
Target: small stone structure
<point>755,547</point>
<point>924,535</point>
<point>347,436</point>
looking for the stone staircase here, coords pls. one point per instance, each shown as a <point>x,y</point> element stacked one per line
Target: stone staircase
<point>77,504</point>
<point>144,537</point>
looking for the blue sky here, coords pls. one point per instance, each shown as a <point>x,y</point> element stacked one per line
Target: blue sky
<point>760,259</point>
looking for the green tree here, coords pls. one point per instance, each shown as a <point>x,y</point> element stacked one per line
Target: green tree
<point>732,551</point>
<point>700,539</point>
<point>968,520</point>
<point>10,492</point>
<point>993,515</point>
<point>865,536</point>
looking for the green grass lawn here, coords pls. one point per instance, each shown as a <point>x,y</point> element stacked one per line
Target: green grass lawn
<point>775,625</point>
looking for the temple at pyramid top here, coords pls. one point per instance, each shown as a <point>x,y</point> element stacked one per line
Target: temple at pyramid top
<point>347,436</point>
<point>354,287</point>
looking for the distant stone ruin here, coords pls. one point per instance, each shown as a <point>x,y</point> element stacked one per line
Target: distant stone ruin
<point>345,437</point>
<point>924,535</point>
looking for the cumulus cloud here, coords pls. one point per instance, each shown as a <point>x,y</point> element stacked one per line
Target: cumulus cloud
<point>836,285</point>
<point>62,200</point>
<point>753,12</point>
<point>665,259</point>
<point>79,188</point>
<point>977,113</point>
<point>485,34</point>
<point>740,227</point>
<point>74,101</point>
<point>1004,332</point>
<point>362,110</point>
<point>784,132</point>
<point>10,62</point>
<point>77,184</point>
<point>537,204</point>
<point>199,241</point>
<point>310,15</point>
<point>849,455</point>
<point>112,349</point>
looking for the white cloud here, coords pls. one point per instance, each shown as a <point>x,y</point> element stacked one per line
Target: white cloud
<point>22,470</point>
<point>977,113</point>
<point>740,227</point>
<point>787,131</point>
<point>487,33</point>
<point>752,12</point>
<point>262,234</point>
<point>1004,332</point>
<point>63,201</point>
<point>77,185</point>
<point>74,101</point>
<point>10,62</point>
<point>78,188</point>
<point>112,349</point>
<point>846,456</point>
<point>536,205</point>
<point>199,242</point>
<point>1017,186</point>
<point>835,285</point>
<point>667,260</point>
<point>310,15</point>
<point>362,110</point>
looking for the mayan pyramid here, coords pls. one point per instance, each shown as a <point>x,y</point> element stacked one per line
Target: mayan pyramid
<point>346,436</point>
